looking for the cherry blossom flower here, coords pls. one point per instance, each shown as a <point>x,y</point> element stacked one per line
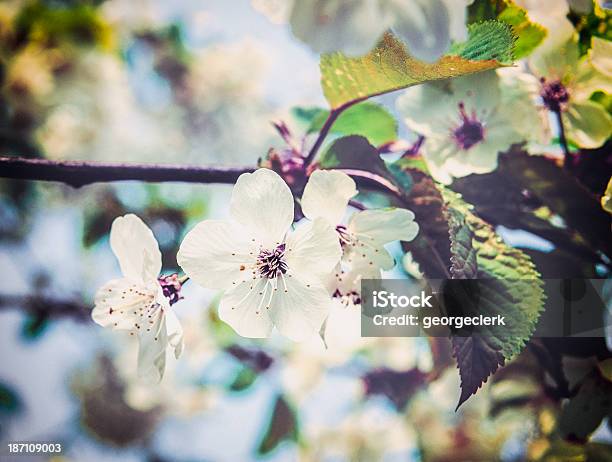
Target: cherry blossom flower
<point>567,83</point>
<point>140,302</point>
<point>326,196</point>
<point>467,121</point>
<point>271,276</point>
<point>354,27</point>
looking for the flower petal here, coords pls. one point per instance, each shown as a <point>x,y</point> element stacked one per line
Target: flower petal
<point>153,342</point>
<point>336,25</point>
<point>425,26</point>
<point>245,307</point>
<point>215,254</point>
<point>299,311</point>
<point>588,124</point>
<point>119,304</point>
<point>262,202</point>
<point>425,108</point>
<point>601,55</point>
<point>343,327</point>
<point>312,250</point>
<point>366,259</point>
<point>174,331</point>
<point>327,194</point>
<point>136,248</point>
<point>382,226</point>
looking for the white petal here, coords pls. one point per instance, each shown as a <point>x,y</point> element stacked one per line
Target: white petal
<point>601,55</point>
<point>327,194</point>
<point>425,108</point>
<point>120,303</point>
<point>382,226</point>
<point>425,26</point>
<point>457,10</point>
<point>136,249</point>
<point>299,312</point>
<point>588,124</point>
<point>347,277</point>
<point>480,93</point>
<point>246,307</point>
<point>557,61</point>
<point>174,331</point>
<point>343,327</point>
<point>215,253</point>
<point>337,25</point>
<point>262,202</point>
<point>312,250</point>
<point>365,256</point>
<point>153,342</point>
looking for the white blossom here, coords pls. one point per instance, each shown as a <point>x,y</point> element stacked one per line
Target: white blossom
<point>271,276</point>
<point>567,82</point>
<point>354,26</point>
<point>467,121</point>
<point>363,237</point>
<point>136,302</point>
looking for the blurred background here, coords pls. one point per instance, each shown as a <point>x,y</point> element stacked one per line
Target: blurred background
<point>194,82</point>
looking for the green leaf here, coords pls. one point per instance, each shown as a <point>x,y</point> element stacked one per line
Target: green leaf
<point>243,379</point>
<point>35,325</point>
<point>355,153</point>
<point>369,120</point>
<point>529,35</point>
<point>453,242</point>
<point>389,67</point>
<point>431,249</point>
<point>509,285</point>
<point>464,264</point>
<point>306,116</point>
<point>282,426</point>
<point>585,411</point>
<point>9,401</point>
<point>488,40</point>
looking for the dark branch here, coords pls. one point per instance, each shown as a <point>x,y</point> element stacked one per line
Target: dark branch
<point>77,173</point>
<point>333,115</point>
<point>46,307</point>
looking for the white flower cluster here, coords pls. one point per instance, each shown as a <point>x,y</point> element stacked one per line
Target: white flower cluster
<point>273,273</point>
<point>354,27</point>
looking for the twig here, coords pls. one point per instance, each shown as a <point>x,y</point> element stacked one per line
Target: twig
<point>372,179</point>
<point>77,173</point>
<point>567,156</point>
<point>357,205</point>
<point>46,306</point>
<point>333,115</point>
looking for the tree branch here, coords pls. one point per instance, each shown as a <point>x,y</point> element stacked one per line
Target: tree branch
<point>333,115</point>
<point>77,173</point>
<point>46,307</point>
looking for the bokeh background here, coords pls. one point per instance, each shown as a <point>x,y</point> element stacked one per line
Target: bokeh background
<point>194,82</point>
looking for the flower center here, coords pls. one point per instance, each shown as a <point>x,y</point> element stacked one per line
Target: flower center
<point>350,298</point>
<point>554,94</point>
<point>471,130</point>
<point>345,236</point>
<point>171,287</point>
<point>271,263</point>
